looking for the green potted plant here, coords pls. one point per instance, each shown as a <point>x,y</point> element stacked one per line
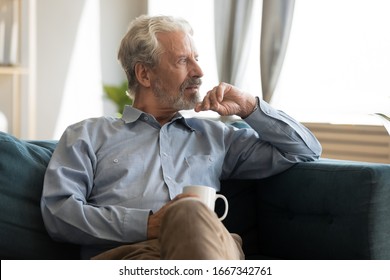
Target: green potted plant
<point>117,94</point>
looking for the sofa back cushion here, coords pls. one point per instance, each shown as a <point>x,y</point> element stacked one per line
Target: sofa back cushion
<point>22,232</point>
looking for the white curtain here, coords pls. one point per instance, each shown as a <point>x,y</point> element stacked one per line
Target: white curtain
<point>275,31</point>
<point>233,25</point>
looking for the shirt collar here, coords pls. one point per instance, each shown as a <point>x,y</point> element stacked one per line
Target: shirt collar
<point>131,114</point>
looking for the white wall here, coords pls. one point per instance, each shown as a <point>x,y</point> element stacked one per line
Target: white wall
<point>77,43</point>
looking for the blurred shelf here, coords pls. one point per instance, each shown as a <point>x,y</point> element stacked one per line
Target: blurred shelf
<point>12,70</point>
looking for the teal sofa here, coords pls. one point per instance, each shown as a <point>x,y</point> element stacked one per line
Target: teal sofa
<point>320,210</point>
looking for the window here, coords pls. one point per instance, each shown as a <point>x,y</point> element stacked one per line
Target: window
<point>337,63</point>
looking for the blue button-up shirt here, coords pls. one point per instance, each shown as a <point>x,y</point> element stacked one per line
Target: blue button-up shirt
<point>107,174</point>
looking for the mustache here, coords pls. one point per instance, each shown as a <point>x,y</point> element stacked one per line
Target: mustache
<point>191,82</point>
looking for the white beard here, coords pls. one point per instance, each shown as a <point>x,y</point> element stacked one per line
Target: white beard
<point>178,102</point>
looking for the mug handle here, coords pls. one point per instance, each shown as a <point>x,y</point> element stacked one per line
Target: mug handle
<point>226,205</point>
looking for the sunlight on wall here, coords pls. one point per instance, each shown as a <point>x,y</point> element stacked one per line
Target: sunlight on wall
<point>82,96</point>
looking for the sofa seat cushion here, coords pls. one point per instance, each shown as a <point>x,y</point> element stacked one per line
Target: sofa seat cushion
<point>22,232</point>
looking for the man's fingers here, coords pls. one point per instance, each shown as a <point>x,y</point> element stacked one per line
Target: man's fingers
<point>221,89</point>
<point>183,195</point>
<point>214,100</point>
<point>204,105</point>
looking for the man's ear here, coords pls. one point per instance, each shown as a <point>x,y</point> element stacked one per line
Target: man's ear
<point>142,74</point>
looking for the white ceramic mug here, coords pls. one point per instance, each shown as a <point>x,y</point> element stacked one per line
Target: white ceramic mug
<point>208,196</point>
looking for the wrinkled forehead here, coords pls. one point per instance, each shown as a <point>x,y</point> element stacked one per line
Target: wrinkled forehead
<point>177,42</point>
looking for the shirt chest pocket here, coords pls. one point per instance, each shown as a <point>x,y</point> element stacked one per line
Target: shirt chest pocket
<point>119,178</point>
<point>203,169</point>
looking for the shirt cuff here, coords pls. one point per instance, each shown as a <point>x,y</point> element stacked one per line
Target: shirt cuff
<point>135,225</point>
<point>254,109</point>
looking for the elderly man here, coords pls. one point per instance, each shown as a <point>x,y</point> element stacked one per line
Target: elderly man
<point>114,186</point>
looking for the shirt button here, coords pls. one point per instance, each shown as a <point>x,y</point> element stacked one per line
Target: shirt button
<point>146,118</point>
<point>116,160</point>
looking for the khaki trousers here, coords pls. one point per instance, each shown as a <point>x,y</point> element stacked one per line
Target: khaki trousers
<point>189,230</point>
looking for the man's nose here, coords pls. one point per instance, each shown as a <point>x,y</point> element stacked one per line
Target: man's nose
<point>196,71</point>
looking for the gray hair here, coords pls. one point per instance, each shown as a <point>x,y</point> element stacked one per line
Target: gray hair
<point>140,44</point>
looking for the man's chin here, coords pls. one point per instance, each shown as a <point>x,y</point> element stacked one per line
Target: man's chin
<point>190,102</point>
<point>186,105</point>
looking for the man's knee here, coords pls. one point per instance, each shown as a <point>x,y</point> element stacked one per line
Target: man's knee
<point>190,230</point>
<point>188,208</point>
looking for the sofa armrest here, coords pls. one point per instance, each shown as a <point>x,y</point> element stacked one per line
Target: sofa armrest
<point>22,232</point>
<point>328,209</point>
